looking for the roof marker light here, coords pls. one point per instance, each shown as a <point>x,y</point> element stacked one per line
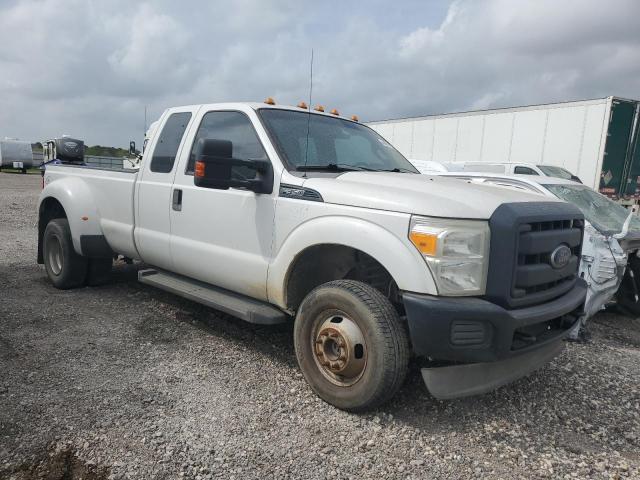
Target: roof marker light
<point>303,105</point>
<point>355,118</point>
<point>334,112</point>
<point>319,108</point>
<point>270,101</point>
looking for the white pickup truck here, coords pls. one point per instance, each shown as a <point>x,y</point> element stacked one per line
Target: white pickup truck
<point>273,213</point>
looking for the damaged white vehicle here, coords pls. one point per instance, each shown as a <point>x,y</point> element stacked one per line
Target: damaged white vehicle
<point>611,236</point>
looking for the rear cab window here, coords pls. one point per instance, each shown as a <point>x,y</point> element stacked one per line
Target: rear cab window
<point>166,148</point>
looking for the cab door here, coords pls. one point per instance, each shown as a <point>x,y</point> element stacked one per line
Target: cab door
<point>223,237</point>
<point>153,189</point>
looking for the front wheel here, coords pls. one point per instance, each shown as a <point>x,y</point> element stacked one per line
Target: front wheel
<point>351,345</point>
<point>65,268</point>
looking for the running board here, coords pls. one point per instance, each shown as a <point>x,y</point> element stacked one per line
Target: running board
<point>245,308</point>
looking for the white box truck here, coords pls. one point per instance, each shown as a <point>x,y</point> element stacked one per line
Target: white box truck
<point>597,140</point>
<point>16,154</point>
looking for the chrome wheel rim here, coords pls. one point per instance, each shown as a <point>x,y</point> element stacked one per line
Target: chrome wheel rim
<point>55,257</point>
<point>339,350</point>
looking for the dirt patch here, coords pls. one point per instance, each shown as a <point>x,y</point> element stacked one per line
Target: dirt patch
<point>60,463</point>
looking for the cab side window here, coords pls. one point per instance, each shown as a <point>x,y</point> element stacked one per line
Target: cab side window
<point>236,127</point>
<point>524,171</point>
<point>166,149</point>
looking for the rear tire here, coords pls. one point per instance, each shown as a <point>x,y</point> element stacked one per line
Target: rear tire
<point>351,345</point>
<point>65,268</point>
<point>99,271</point>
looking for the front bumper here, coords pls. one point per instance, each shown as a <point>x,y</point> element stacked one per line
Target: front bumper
<point>487,344</point>
<point>469,329</point>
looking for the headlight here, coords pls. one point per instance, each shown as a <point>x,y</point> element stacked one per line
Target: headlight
<point>456,251</point>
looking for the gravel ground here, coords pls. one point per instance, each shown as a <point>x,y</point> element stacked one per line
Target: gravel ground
<point>125,381</point>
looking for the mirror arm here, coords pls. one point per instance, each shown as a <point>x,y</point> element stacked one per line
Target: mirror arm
<point>253,185</point>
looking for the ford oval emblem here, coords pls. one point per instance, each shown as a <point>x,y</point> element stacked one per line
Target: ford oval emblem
<point>560,256</point>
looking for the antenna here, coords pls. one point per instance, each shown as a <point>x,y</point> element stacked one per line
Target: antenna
<point>306,152</point>
<point>144,134</point>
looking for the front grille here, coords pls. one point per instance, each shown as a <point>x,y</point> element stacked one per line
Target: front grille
<point>523,239</point>
<point>535,278</point>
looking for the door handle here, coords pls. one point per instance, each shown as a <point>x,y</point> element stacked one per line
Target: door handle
<point>176,202</point>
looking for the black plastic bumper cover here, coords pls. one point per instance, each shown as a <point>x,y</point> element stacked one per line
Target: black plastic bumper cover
<point>438,325</point>
<point>456,381</point>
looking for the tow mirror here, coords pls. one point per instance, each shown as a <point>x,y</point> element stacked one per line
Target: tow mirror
<point>132,148</point>
<point>214,168</point>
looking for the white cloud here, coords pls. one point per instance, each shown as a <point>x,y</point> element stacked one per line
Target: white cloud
<point>88,68</point>
<point>154,60</point>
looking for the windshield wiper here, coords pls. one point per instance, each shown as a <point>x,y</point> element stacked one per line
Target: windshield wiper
<point>397,170</point>
<point>334,167</point>
<point>341,167</point>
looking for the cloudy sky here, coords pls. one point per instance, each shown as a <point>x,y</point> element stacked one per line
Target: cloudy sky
<point>88,67</point>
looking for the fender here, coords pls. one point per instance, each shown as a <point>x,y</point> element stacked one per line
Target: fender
<point>76,198</point>
<point>399,257</point>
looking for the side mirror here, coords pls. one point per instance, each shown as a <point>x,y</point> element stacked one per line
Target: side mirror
<point>132,148</point>
<point>214,164</point>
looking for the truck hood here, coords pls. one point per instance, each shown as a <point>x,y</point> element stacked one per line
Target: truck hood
<point>418,194</point>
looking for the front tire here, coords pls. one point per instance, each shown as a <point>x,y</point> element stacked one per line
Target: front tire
<point>65,268</point>
<point>351,345</point>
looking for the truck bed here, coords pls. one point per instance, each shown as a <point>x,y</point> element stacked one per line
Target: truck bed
<point>112,191</point>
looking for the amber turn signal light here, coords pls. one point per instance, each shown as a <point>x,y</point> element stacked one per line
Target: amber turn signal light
<point>198,171</point>
<point>426,243</point>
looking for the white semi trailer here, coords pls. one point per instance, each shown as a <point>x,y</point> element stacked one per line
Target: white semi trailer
<point>16,154</point>
<point>597,140</point>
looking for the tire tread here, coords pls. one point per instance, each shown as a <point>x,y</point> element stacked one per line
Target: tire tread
<point>75,268</point>
<point>396,352</point>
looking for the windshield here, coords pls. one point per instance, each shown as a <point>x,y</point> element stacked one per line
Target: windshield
<point>558,172</point>
<point>605,215</point>
<point>334,144</point>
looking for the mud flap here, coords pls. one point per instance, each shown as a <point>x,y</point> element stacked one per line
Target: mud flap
<point>457,381</point>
